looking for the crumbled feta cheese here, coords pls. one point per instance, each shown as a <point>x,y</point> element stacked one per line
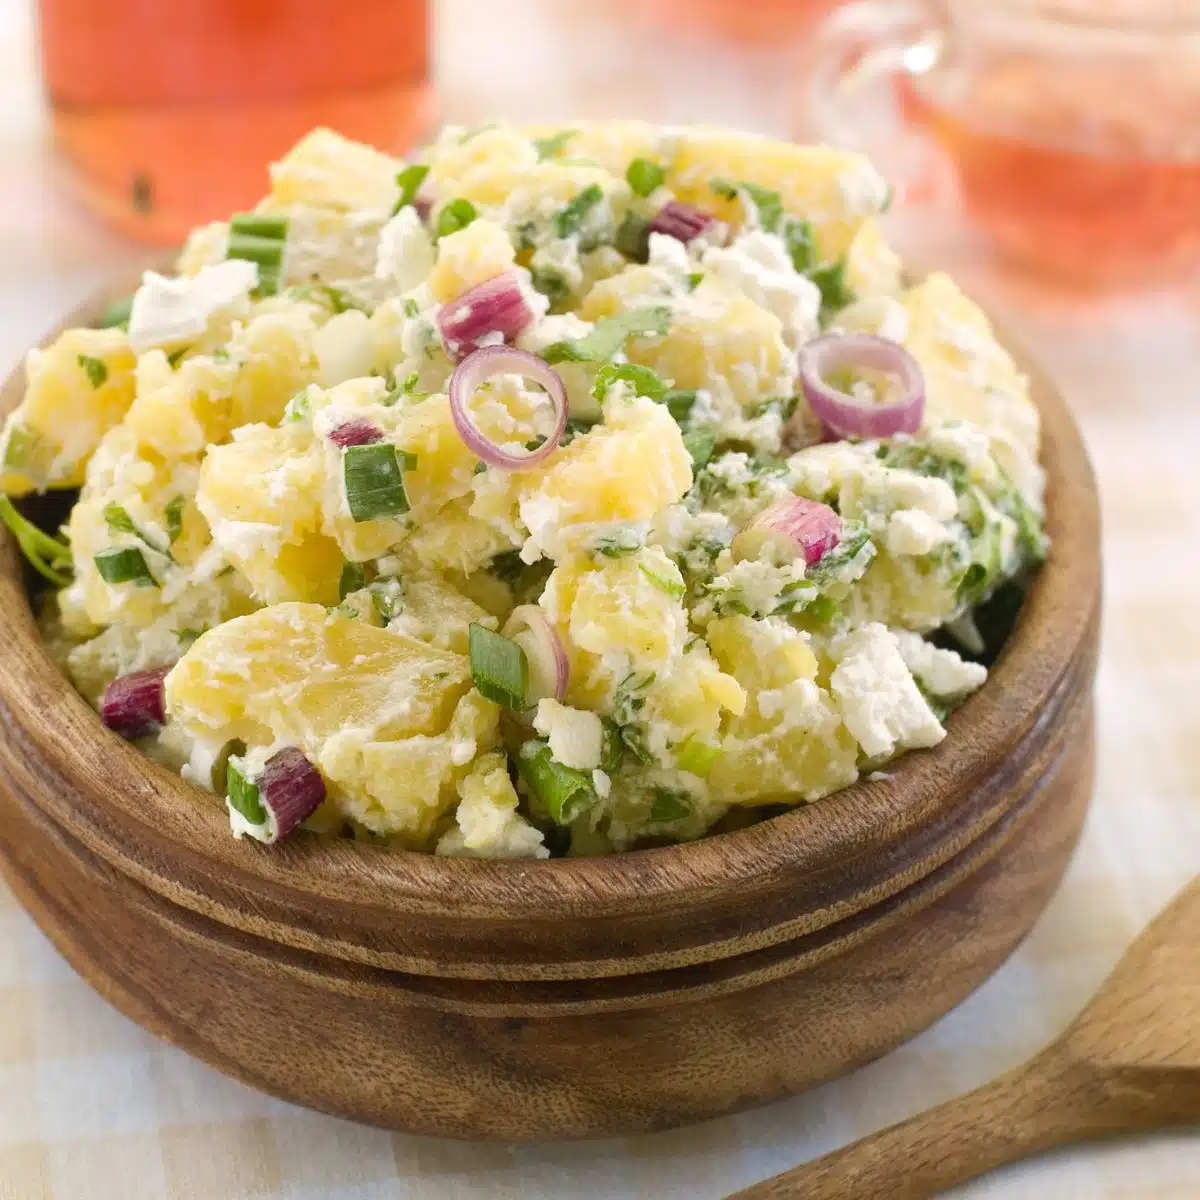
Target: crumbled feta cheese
<point>576,736</point>
<point>405,254</point>
<point>669,261</point>
<point>911,533</point>
<point>166,311</point>
<point>602,783</point>
<point>759,266</point>
<point>900,488</point>
<point>345,348</point>
<point>942,673</point>
<point>880,702</point>
<point>864,192</point>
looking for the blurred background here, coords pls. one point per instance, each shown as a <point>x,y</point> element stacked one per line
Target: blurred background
<point>1045,152</point>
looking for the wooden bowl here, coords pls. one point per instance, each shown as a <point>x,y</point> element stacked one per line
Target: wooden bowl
<point>577,997</point>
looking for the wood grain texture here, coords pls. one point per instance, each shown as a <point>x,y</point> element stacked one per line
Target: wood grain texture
<point>1130,1062</point>
<point>569,998</point>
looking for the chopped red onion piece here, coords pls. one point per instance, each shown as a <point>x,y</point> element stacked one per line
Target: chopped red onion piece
<point>134,705</point>
<point>291,789</point>
<point>483,365</point>
<point>793,527</point>
<point>549,668</point>
<point>684,222</point>
<point>357,432</point>
<point>847,415</point>
<point>424,207</point>
<point>495,306</point>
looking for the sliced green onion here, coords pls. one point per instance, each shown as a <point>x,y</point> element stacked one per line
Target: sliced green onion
<point>643,380</point>
<point>408,181</point>
<point>263,225</point>
<point>455,215</point>
<point>665,583</point>
<point>669,805</point>
<point>700,444</point>
<point>609,336</point>
<point>374,480</point>
<point>22,442</point>
<point>353,579</point>
<point>568,220</point>
<point>175,518</point>
<point>47,555</point>
<point>116,314</point>
<point>95,368</point>
<point>644,176</point>
<point>697,757</point>
<point>560,793</point>
<point>119,521</point>
<point>632,238</point>
<point>679,402</point>
<point>242,792</point>
<point>553,146</point>
<point>499,668</point>
<point>124,564</point>
<point>266,252</point>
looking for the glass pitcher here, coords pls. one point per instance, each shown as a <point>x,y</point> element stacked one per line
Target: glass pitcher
<point>1070,129</point>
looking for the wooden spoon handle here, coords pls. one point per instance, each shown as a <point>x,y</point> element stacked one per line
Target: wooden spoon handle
<point>1020,1114</point>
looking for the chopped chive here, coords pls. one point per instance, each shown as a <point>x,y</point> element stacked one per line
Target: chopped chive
<point>665,583</point>
<point>242,794</point>
<point>498,667</point>
<point>124,564</point>
<point>644,176</point>
<point>353,579</point>
<point>47,555</point>
<point>643,380</point>
<point>669,805</point>
<point>408,181</point>
<point>119,521</point>
<point>21,444</point>
<point>455,215</point>
<point>697,757</point>
<point>568,220</point>
<point>700,445</point>
<point>553,146</point>
<point>116,313</point>
<point>175,518</point>
<point>560,793</point>
<point>679,402</point>
<point>609,336</point>
<point>632,238</point>
<point>95,368</point>
<point>374,480</point>
<point>259,225</point>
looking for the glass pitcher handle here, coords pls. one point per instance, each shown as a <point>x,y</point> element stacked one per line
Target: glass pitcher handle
<point>860,51</point>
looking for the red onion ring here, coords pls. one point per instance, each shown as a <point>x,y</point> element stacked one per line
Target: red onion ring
<point>847,416</point>
<point>550,669</point>
<point>481,366</point>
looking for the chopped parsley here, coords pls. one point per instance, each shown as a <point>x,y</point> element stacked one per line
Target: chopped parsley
<point>455,215</point>
<point>408,181</point>
<point>609,336</point>
<point>643,380</point>
<point>644,176</point>
<point>95,368</point>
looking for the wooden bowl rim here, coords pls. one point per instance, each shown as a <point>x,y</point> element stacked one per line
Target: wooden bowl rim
<point>159,816</point>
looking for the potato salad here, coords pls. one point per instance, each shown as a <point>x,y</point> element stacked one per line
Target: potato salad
<point>560,491</point>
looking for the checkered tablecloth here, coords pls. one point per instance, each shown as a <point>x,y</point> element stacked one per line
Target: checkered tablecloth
<point>92,1108</point>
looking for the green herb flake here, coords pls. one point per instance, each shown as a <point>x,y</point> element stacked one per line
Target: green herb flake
<point>560,793</point>
<point>95,368</point>
<point>679,402</point>
<point>20,447</point>
<point>551,284</point>
<point>336,299</point>
<point>499,667</point>
<point>632,238</point>
<point>644,176</point>
<point>766,201</point>
<point>569,219</point>
<point>610,335</point>
<point>47,555</point>
<point>187,638</point>
<point>801,244</point>
<point>411,308</point>
<point>353,579</point>
<point>175,518</point>
<point>555,144</point>
<point>700,444</point>
<point>669,805</point>
<point>835,294</point>
<point>455,215</point>
<point>643,380</point>
<point>387,595</point>
<point>408,182</point>
<point>612,748</point>
<point>243,794</point>
<point>124,564</point>
<point>298,408</point>
<point>694,280</point>
<point>619,544</point>
<point>697,756</point>
<point>665,583</point>
<point>373,477</point>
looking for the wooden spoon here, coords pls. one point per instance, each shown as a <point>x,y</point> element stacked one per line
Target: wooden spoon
<point>1131,1061</point>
